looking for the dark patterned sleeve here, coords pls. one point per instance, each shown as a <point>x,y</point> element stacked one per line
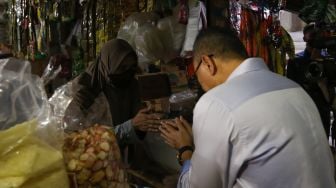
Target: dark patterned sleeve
<point>86,91</point>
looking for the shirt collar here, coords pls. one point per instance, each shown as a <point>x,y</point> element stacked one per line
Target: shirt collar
<point>250,64</point>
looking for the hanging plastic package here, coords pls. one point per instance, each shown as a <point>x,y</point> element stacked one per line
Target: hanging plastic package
<point>172,35</point>
<point>234,14</point>
<point>184,12</point>
<point>30,138</point>
<point>129,30</point>
<point>196,22</point>
<point>148,44</point>
<point>72,117</point>
<point>183,103</point>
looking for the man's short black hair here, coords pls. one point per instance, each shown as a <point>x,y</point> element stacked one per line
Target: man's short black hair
<point>219,42</point>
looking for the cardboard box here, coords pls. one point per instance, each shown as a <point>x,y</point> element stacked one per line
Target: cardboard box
<point>154,86</point>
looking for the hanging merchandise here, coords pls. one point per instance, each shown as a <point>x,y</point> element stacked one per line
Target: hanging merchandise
<point>196,22</point>
<point>40,28</point>
<point>235,14</point>
<point>4,38</point>
<point>184,12</point>
<point>129,29</point>
<point>172,35</point>
<point>263,36</point>
<point>101,22</point>
<point>145,6</point>
<point>155,40</point>
<point>16,16</point>
<point>148,43</point>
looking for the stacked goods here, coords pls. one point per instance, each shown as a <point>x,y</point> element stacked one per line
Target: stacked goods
<point>93,157</point>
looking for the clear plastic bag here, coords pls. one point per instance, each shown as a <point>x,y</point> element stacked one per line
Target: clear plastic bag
<point>91,151</point>
<point>182,104</point>
<point>148,44</point>
<point>173,35</point>
<point>93,158</point>
<point>21,94</point>
<point>129,30</point>
<point>71,116</point>
<point>51,71</point>
<point>152,38</point>
<point>183,96</point>
<point>30,138</point>
<point>196,22</point>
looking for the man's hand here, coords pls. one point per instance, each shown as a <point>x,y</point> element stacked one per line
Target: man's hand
<point>146,121</point>
<point>177,133</point>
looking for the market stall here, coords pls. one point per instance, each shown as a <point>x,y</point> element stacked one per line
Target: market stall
<point>61,39</point>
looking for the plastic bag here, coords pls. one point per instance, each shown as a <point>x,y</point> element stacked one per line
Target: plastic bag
<point>153,39</point>
<point>71,116</point>
<point>182,104</point>
<point>27,161</point>
<point>129,30</point>
<point>148,44</point>
<point>91,151</point>
<point>182,96</point>
<point>196,22</point>
<point>51,71</point>
<point>172,35</point>
<point>30,139</point>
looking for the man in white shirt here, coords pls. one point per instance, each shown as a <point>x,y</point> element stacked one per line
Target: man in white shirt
<point>252,128</point>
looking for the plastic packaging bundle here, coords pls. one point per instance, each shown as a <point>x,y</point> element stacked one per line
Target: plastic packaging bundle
<point>183,96</point>
<point>129,30</point>
<point>196,22</point>
<point>182,104</point>
<point>152,38</point>
<point>173,35</point>
<point>30,138</point>
<point>21,94</point>
<point>148,43</point>
<point>71,116</point>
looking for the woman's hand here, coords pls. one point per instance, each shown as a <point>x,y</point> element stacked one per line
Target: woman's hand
<point>146,121</point>
<point>177,133</point>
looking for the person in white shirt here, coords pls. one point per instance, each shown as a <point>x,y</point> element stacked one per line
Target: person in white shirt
<point>252,128</point>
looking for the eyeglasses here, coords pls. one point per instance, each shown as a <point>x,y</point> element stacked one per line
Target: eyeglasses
<point>200,62</point>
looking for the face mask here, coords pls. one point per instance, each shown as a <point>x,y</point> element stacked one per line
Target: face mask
<point>122,80</point>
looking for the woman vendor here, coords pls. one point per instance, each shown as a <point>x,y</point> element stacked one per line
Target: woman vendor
<point>113,75</point>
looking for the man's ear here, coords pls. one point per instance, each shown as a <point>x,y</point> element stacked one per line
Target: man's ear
<point>210,64</point>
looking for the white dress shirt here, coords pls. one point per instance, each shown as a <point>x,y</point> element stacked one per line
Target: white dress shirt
<point>258,130</point>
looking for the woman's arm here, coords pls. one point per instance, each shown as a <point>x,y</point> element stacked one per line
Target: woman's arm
<point>125,132</point>
<point>86,91</point>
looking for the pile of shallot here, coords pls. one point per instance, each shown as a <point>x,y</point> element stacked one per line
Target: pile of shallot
<point>93,158</point>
